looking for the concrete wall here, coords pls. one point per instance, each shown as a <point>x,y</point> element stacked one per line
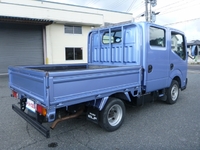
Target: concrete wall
<point>57,40</point>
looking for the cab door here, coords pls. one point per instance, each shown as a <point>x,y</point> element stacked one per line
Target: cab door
<point>157,62</point>
<point>178,57</point>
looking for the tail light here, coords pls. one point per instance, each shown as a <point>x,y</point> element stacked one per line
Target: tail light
<point>41,110</point>
<point>14,94</point>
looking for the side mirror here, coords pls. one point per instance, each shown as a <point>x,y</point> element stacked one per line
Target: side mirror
<point>194,51</point>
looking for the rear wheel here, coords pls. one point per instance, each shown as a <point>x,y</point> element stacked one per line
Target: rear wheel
<point>173,92</point>
<point>112,115</point>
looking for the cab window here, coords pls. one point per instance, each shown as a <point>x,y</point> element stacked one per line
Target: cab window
<point>178,44</point>
<point>115,37</point>
<point>157,37</point>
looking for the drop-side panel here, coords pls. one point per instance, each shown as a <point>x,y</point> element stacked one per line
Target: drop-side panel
<point>82,86</point>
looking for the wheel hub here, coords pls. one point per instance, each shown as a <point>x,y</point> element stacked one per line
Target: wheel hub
<point>114,115</point>
<point>174,92</point>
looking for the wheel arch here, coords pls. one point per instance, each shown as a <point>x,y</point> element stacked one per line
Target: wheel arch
<point>123,96</point>
<point>177,76</point>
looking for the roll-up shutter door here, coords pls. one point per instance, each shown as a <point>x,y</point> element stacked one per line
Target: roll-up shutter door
<point>20,44</point>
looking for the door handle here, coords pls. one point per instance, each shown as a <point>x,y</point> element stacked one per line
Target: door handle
<point>171,66</point>
<point>150,68</point>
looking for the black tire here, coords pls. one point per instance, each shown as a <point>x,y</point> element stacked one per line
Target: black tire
<point>173,92</point>
<point>112,115</point>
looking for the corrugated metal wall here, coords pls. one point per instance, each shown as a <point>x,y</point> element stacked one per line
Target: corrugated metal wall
<point>20,44</point>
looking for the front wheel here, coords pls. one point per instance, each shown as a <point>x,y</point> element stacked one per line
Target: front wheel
<point>112,115</point>
<point>173,92</point>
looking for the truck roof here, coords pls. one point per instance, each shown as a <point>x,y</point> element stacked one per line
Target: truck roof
<point>143,23</point>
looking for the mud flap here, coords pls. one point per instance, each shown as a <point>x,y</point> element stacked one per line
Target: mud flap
<point>93,114</point>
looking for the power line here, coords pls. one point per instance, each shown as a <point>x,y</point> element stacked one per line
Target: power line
<point>170,5</point>
<point>182,21</point>
<point>178,6</point>
<point>93,2</point>
<point>131,6</point>
<point>138,5</point>
<point>183,6</point>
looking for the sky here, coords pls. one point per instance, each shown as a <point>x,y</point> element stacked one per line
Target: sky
<point>181,14</point>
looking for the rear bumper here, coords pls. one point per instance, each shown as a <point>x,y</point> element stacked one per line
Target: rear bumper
<point>31,121</point>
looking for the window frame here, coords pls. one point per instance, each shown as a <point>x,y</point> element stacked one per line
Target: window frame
<point>73,30</point>
<point>182,54</point>
<point>74,53</point>
<point>163,39</point>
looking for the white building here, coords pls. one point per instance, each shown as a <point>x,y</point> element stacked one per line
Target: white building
<point>34,32</point>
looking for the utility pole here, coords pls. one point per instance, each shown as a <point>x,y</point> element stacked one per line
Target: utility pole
<point>146,10</point>
<point>150,15</point>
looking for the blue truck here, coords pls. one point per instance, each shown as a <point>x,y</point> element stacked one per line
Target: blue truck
<point>125,63</point>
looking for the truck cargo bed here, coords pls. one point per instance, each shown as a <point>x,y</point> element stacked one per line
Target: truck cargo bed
<point>72,84</point>
<point>57,68</point>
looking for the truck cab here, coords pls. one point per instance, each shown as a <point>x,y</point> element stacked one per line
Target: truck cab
<point>164,57</point>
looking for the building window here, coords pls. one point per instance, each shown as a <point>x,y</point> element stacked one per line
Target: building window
<point>73,53</point>
<point>115,37</point>
<point>73,29</point>
<point>157,37</point>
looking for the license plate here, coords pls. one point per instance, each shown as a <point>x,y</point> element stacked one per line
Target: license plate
<point>30,105</point>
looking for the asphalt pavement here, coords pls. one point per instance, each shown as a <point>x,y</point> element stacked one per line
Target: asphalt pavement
<point>154,126</point>
<point>194,68</point>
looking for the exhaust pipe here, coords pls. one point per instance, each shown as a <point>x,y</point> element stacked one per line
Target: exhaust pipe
<point>66,118</point>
